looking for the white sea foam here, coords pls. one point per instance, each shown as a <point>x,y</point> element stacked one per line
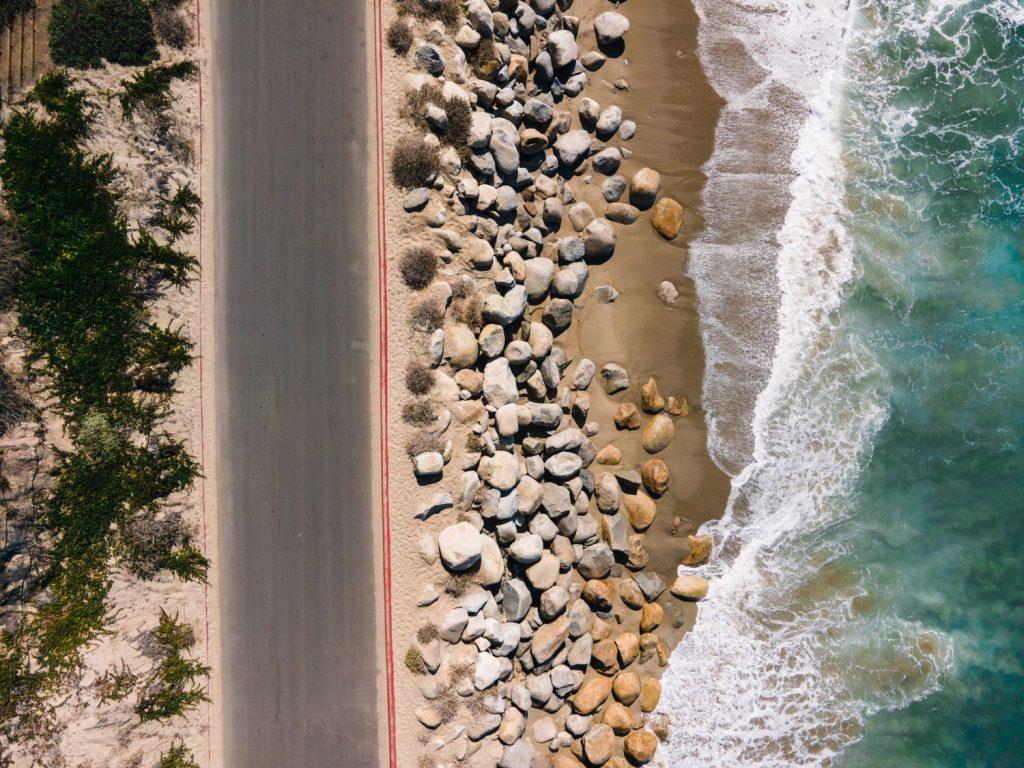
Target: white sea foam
<point>792,406</point>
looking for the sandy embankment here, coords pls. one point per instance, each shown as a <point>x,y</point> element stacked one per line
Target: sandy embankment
<point>676,112</point>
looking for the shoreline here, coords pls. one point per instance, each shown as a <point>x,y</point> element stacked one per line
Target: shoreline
<point>677,146</point>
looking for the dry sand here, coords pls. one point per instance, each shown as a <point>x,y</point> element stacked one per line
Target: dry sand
<point>676,112</point>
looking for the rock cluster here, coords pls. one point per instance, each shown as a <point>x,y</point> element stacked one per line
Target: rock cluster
<point>551,614</point>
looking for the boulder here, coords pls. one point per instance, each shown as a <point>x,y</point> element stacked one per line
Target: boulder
<point>599,239</point>
<point>651,616</point>
<point>658,433</point>
<point>690,587</point>
<point>618,718</point>
<point>428,57</point>
<point>527,548</point>
<point>517,755</point>
<point>453,625</point>
<point>700,549</point>
<point>513,725</point>
<point>678,406</point>
<point>562,48</point>
<point>614,378</point>
<point>428,465</point>
<point>643,188</point>
<point>549,639</point>
<point>608,122</point>
<point>538,278</point>
<point>580,214</point>
<point>667,217</point>
<point>667,292</point>
<point>487,672</point>
<point>651,400</point>
<point>650,693</point>
<point>609,455</point>
<point>591,695</point>
<point>439,502</point>
<point>460,346</point>
<point>606,162</point>
<point>640,747</point>
<point>542,574</point>
<point>656,476</point>
<point>500,471</point>
<point>563,466</point>
<point>622,213</point>
<point>628,645</point>
<point>515,599</point>
<point>599,594</point>
<point>558,316</point>
<point>460,545</point>
<point>596,561</point>
<point>607,493</point>
<point>598,744</point>
<point>580,617</point>
<point>626,687</point>
<point>610,26</point>
<point>572,147</point>
<point>627,416</point>
<point>499,383</point>
<point>650,584</point>
<point>640,510</point>
<point>630,594</point>
<point>492,564</point>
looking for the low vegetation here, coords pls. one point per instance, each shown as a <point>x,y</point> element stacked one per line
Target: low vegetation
<point>414,661</point>
<point>399,36</point>
<point>414,164</point>
<point>149,92</point>
<point>424,442</point>
<point>448,12</point>
<point>418,413</point>
<point>418,267</point>
<point>172,688</point>
<point>170,25</point>
<point>83,308</point>
<point>178,756</point>
<point>419,378</point>
<point>84,33</point>
<point>457,110</point>
<point>426,316</point>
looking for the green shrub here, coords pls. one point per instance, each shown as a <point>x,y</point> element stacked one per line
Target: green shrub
<point>172,689</point>
<point>85,32</point>
<point>413,164</point>
<point>9,10</point>
<point>83,309</point>
<point>149,91</point>
<point>13,407</point>
<point>448,12</point>
<point>178,756</point>
<point>117,683</point>
<point>414,661</point>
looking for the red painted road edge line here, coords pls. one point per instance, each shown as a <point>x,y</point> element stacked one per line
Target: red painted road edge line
<point>202,421</point>
<point>382,275</point>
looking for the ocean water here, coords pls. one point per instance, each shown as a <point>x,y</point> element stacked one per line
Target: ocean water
<point>867,606</point>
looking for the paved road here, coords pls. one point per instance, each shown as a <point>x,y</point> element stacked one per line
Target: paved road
<point>293,400</point>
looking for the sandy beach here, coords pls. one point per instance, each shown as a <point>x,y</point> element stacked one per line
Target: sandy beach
<point>676,112</point>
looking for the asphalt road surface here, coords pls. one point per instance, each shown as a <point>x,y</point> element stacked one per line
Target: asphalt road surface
<point>293,402</point>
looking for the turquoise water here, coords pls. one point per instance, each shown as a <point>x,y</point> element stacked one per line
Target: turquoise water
<point>867,587</point>
<point>933,130</point>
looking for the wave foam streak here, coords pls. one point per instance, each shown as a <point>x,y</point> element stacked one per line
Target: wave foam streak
<point>760,681</point>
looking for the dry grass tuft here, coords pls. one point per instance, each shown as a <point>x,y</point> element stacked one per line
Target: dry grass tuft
<point>413,164</point>
<point>426,316</point>
<point>399,36</point>
<point>427,633</point>
<point>418,267</point>
<point>424,442</point>
<point>418,412</point>
<point>419,379</point>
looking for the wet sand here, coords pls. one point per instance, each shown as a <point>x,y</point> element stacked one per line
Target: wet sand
<point>676,112</point>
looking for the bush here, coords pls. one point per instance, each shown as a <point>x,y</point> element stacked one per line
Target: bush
<point>426,316</point>
<point>484,59</point>
<point>414,164</point>
<point>424,442</point>
<point>171,689</point>
<point>458,111</point>
<point>418,267</point>
<point>399,36</point>
<point>13,408</point>
<point>414,661</point>
<point>149,91</point>
<point>419,379</point>
<point>171,27</point>
<point>12,263</point>
<point>85,32</point>
<point>418,412</point>
<point>448,12</point>
<point>469,310</point>
<point>178,756</point>
<point>427,633</point>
